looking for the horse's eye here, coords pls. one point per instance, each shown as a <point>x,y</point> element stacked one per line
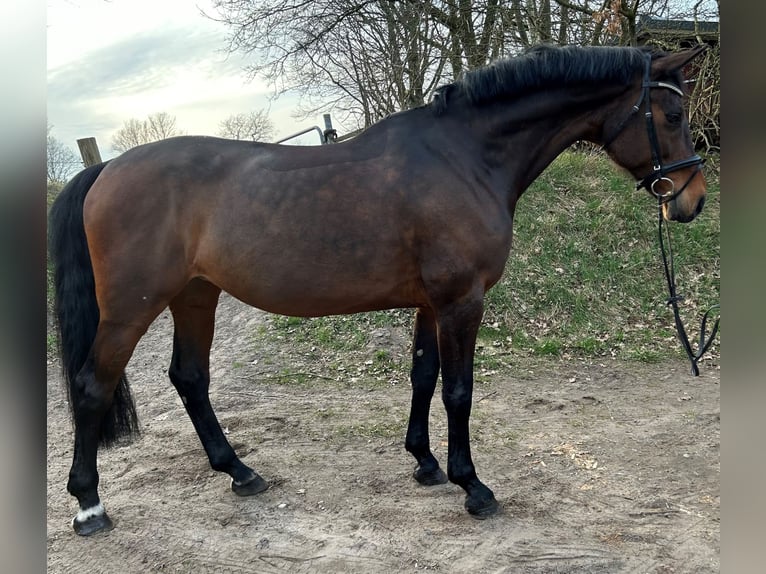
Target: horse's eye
<point>674,117</point>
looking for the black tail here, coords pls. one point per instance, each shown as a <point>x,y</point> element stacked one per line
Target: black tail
<point>75,302</point>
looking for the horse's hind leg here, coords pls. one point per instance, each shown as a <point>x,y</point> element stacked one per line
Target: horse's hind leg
<point>423,376</point>
<point>92,395</point>
<point>194,317</point>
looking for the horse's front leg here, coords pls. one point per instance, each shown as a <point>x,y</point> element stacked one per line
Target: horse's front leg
<point>423,376</point>
<point>458,327</point>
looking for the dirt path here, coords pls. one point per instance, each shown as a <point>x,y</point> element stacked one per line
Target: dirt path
<point>598,468</point>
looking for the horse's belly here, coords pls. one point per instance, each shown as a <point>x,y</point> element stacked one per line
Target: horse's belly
<point>331,294</point>
<point>291,282</point>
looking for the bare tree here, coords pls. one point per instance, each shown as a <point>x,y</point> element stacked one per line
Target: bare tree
<point>254,126</point>
<point>467,30</point>
<point>130,135</point>
<point>365,59</point>
<point>62,162</point>
<point>616,21</point>
<point>136,132</point>
<point>160,126</point>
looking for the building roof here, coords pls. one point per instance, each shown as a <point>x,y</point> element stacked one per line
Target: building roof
<point>649,26</point>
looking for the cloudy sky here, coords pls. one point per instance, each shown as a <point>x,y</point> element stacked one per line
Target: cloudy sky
<point>112,60</point>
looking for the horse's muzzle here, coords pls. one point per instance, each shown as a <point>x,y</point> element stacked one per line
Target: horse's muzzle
<point>672,212</point>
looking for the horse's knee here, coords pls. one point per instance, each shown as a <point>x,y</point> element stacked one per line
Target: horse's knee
<point>457,400</point>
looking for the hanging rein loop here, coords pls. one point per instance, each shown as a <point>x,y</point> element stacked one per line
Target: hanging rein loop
<point>654,183</point>
<point>667,260</point>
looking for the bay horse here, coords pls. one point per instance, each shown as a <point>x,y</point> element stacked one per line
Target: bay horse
<point>415,212</point>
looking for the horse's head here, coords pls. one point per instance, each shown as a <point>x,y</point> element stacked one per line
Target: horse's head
<point>652,140</point>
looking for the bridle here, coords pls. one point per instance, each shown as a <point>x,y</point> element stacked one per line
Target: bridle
<point>660,173</point>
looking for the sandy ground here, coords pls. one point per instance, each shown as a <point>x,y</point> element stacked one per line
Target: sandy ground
<point>598,466</point>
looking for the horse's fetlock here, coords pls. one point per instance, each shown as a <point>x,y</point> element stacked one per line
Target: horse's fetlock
<point>83,487</point>
<point>414,442</point>
<point>461,474</point>
<point>223,461</point>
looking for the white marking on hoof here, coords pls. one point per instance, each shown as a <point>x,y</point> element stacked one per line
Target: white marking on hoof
<point>89,513</point>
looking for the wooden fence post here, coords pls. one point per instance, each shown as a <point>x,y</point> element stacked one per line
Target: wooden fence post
<point>330,135</point>
<point>89,151</point>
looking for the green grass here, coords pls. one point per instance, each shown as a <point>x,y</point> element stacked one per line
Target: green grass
<point>585,277</point>
<point>338,333</point>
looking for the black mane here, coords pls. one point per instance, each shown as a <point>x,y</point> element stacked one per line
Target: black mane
<point>545,67</point>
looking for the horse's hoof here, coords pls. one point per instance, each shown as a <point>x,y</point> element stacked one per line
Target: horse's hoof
<point>88,525</point>
<point>252,486</point>
<point>482,508</point>
<point>430,478</point>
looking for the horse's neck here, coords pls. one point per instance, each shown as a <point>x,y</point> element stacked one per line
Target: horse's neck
<point>523,137</point>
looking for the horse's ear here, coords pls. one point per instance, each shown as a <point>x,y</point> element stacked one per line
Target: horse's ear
<point>677,60</point>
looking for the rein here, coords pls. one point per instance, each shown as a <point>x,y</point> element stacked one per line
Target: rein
<point>670,276</point>
<point>659,174</point>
